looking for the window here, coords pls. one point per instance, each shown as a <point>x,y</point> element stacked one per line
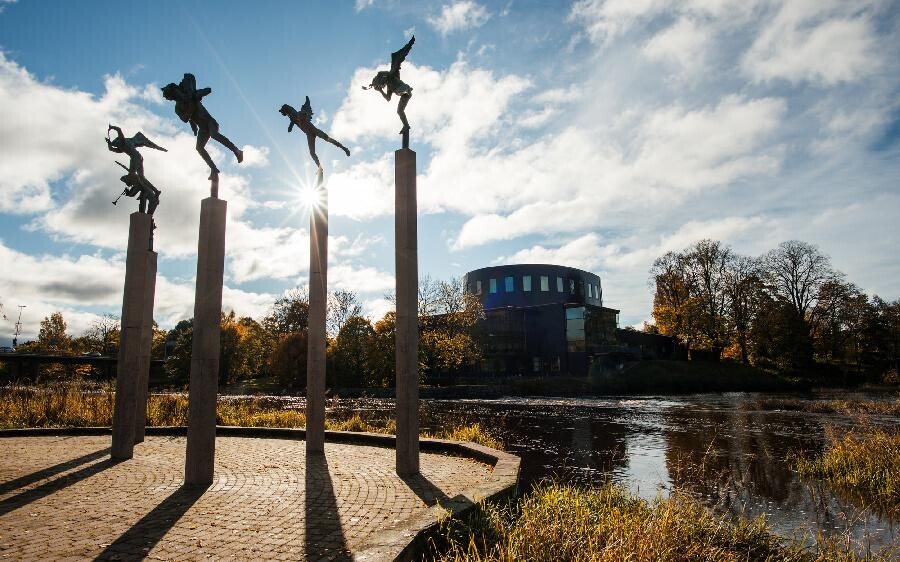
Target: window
<point>510,284</point>
<point>590,290</point>
<point>575,329</point>
<point>559,284</point>
<point>478,287</point>
<point>596,292</point>
<point>526,282</point>
<point>493,286</point>
<point>545,283</point>
<point>571,286</point>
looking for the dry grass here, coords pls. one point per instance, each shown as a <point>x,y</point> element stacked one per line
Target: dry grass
<point>78,405</point>
<point>865,461</point>
<point>473,433</point>
<point>557,522</point>
<point>849,407</point>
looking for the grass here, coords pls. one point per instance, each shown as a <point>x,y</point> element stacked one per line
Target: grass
<point>559,522</point>
<point>78,405</point>
<point>849,407</point>
<point>866,461</point>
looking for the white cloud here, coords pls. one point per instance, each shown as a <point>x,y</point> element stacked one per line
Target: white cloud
<point>459,16</point>
<point>685,43</point>
<point>255,157</point>
<point>363,191</point>
<point>363,4</point>
<point>820,41</point>
<point>48,283</point>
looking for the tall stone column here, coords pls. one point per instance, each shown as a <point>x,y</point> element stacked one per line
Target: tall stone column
<point>201,430</point>
<point>407,331</point>
<point>143,378</point>
<point>130,339</point>
<point>318,287</point>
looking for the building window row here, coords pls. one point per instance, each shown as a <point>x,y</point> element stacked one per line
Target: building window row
<point>509,286</point>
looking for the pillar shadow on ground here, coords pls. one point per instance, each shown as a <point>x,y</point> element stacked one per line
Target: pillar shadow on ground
<point>425,490</point>
<point>324,537</point>
<point>136,542</point>
<point>22,481</point>
<point>47,488</point>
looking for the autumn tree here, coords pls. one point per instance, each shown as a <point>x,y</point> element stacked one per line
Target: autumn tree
<point>289,314</point>
<point>341,306</point>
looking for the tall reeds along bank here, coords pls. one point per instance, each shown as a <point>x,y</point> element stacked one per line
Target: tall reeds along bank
<point>559,522</point>
<point>864,461</point>
<point>79,404</point>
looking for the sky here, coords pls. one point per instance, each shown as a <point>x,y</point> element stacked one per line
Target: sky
<point>594,134</point>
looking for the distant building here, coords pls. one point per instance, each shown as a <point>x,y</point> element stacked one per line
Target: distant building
<point>542,319</point>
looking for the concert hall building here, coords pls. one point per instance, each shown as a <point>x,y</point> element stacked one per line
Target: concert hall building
<point>542,319</point>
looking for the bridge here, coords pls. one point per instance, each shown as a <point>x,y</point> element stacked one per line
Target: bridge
<point>25,365</point>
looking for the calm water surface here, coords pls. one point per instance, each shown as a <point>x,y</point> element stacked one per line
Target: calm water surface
<point>716,447</point>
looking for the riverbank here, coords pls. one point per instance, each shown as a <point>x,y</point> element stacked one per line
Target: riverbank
<point>653,377</point>
<point>558,522</point>
<point>78,405</point>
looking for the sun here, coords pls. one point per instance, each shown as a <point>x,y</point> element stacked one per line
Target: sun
<point>310,197</point>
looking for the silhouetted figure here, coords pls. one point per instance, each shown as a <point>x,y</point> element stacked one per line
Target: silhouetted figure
<point>135,181</point>
<point>388,83</point>
<point>303,119</point>
<point>189,107</point>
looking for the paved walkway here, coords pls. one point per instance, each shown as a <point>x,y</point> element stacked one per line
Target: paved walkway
<point>61,498</point>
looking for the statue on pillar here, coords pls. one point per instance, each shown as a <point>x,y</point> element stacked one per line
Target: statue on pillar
<point>388,83</point>
<point>189,107</point>
<point>303,120</point>
<point>136,184</point>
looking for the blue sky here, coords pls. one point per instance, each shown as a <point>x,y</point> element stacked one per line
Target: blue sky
<point>597,134</point>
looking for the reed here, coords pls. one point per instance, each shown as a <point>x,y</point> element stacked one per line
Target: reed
<point>849,407</point>
<point>866,460</point>
<point>560,522</point>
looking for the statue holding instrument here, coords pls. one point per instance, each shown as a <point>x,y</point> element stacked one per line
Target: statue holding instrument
<point>136,184</point>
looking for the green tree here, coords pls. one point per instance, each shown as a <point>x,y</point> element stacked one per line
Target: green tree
<point>350,353</point>
<point>178,363</point>
<point>380,355</point>
<point>287,362</point>
<point>289,314</point>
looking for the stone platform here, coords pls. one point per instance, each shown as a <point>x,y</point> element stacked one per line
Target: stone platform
<point>62,498</point>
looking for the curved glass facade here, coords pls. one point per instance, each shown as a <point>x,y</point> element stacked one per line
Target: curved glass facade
<point>534,285</point>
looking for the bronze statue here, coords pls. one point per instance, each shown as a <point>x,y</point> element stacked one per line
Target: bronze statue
<point>135,182</point>
<point>189,107</point>
<point>388,83</point>
<point>303,119</point>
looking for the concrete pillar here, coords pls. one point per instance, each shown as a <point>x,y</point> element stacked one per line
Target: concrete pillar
<point>407,332</point>
<point>133,309</point>
<point>318,297</point>
<point>201,430</point>
<point>143,378</point>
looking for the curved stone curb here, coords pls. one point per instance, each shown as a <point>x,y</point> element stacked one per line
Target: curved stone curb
<point>397,544</point>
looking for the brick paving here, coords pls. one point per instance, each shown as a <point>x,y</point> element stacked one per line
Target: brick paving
<point>61,498</point>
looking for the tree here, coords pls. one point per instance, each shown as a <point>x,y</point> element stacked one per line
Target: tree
<point>288,359</point>
<point>707,265</point>
<point>52,336</point>
<point>743,286</point>
<point>178,363</point>
<point>794,273</point>
<point>448,338</point>
<point>350,353</point>
<point>289,314</point>
<point>674,306</point>
<point>342,305</point>
<point>381,353</point>
<point>104,334</point>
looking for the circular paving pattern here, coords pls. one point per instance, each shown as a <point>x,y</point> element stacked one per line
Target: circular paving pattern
<point>61,498</point>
